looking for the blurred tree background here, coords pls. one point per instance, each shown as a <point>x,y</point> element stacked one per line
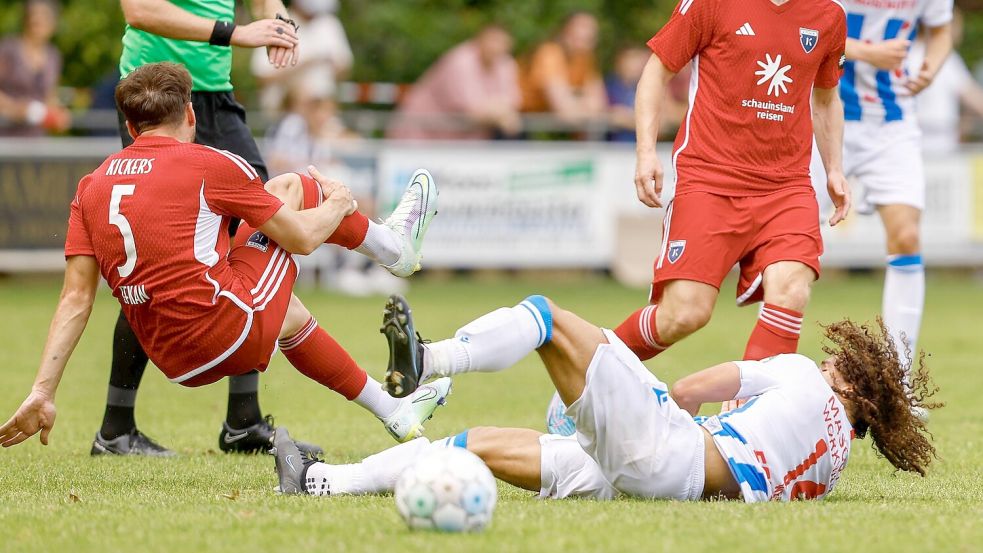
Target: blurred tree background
<point>395,40</point>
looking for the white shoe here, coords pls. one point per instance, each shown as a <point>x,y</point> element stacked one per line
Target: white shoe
<point>407,422</point>
<point>410,220</point>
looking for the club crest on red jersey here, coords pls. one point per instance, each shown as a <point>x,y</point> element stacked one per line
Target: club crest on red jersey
<point>676,249</point>
<point>259,241</point>
<point>808,38</point>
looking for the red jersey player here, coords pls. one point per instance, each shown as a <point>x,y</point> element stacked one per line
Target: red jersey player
<point>765,74</point>
<point>153,221</point>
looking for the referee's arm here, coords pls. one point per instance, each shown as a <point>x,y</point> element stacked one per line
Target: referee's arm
<point>163,18</point>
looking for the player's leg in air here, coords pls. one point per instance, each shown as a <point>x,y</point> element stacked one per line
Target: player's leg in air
<point>526,458</point>
<point>394,244</point>
<point>586,365</point>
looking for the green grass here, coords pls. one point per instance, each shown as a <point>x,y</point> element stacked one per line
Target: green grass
<point>206,501</point>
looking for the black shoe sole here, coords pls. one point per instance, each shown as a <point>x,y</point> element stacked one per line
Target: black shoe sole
<point>403,372</point>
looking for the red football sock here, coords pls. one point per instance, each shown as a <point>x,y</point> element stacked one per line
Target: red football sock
<point>640,333</point>
<point>777,331</point>
<point>351,232</point>
<point>319,357</point>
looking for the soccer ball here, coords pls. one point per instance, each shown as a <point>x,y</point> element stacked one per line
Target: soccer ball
<point>449,490</point>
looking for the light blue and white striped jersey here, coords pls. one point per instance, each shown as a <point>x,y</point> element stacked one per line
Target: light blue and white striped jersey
<point>872,94</point>
<point>791,440</point>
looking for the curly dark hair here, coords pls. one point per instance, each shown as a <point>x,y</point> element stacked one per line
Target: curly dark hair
<point>882,403</point>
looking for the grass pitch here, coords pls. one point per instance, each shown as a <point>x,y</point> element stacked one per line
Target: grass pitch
<point>60,499</point>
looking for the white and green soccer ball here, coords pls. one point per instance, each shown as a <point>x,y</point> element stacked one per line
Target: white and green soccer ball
<point>449,490</point>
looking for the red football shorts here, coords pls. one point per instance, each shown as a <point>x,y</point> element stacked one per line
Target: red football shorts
<point>268,272</point>
<point>705,234</point>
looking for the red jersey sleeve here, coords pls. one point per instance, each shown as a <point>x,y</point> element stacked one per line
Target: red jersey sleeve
<point>688,31</point>
<point>234,188</point>
<point>77,241</point>
<point>831,69</point>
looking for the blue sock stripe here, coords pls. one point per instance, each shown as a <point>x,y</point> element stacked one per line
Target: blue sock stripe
<point>541,305</point>
<point>905,260</point>
<point>461,440</point>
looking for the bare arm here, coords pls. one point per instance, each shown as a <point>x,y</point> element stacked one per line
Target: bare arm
<point>827,116</point>
<point>718,383</point>
<point>649,98</point>
<point>165,19</point>
<point>562,100</point>
<point>37,412</point>
<point>887,55</point>
<point>938,46</point>
<point>595,96</point>
<point>304,231</point>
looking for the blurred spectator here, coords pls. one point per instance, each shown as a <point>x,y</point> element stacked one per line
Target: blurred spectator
<point>561,76</point>
<point>31,67</point>
<point>325,58</point>
<point>939,104</point>
<point>311,133</point>
<point>305,133</point>
<point>473,89</point>
<point>620,86</point>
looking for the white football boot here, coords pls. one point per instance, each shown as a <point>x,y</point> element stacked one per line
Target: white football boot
<point>410,220</point>
<point>407,422</point>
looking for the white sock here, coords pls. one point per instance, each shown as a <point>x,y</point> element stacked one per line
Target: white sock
<point>904,299</point>
<point>376,400</point>
<point>375,474</point>
<point>381,244</point>
<point>492,342</point>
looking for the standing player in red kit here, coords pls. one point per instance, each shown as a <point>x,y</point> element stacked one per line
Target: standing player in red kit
<point>153,221</point>
<point>765,75</point>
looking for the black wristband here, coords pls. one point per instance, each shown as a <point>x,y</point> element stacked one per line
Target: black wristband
<point>222,33</point>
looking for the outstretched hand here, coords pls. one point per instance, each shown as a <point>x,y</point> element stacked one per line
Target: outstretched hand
<point>37,413</point>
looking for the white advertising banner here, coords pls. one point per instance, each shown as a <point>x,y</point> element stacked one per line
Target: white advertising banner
<point>508,207</point>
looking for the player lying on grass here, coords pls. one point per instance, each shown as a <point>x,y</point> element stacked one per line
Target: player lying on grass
<point>153,220</point>
<point>790,440</point>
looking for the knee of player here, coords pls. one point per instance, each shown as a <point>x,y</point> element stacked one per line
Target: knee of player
<point>793,294</point>
<point>687,321</point>
<point>286,187</point>
<point>906,240</point>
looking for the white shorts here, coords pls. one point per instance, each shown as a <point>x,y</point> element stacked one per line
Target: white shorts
<point>568,471</point>
<point>885,159</point>
<point>643,444</point>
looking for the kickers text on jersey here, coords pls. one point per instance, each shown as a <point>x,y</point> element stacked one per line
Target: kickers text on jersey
<point>123,166</point>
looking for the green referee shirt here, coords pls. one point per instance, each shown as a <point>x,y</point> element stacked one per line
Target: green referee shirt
<point>210,66</point>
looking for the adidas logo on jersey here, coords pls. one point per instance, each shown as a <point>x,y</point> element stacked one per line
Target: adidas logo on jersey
<point>746,30</point>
